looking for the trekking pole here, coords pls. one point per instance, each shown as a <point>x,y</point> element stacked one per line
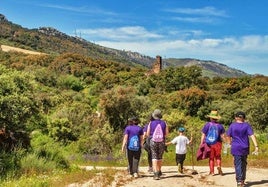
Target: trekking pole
<point>194,172</point>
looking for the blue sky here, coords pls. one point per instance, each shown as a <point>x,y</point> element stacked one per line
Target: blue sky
<point>231,32</point>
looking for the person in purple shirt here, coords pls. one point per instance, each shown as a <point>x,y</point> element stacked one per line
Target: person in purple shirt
<point>157,131</point>
<point>133,156</point>
<point>238,135</point>
<point>215,148</point>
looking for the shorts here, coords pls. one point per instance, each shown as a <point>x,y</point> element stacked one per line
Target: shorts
<point>157,149</point>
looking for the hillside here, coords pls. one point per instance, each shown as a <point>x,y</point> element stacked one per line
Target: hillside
<point>210,68</point>
<point>51,41</point>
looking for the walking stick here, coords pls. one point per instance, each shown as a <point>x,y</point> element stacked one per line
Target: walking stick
<point>194,172</point>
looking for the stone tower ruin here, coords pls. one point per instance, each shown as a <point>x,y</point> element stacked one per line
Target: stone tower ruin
<point>157,66</point>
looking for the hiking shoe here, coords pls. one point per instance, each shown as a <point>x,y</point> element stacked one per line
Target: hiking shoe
<point>212,173</point>
<point>241,184</point>
<point>150,170</point>
<point>219,171</point>
<point>156,176</point>
<point>135,175</point>
<point>180,169</point>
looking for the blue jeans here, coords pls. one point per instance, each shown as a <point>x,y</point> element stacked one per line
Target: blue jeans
<point>240,163</point>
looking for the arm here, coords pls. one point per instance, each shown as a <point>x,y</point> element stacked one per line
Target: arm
<point>228,140</point>
<point>253,137</point>
<point>168,143</point>
<point>148,130</point>
<point>124,143</point>
<point>202,138</point>
<point>141,140</point>
<point>191,139</point>
<point>167,131</point>
<point>223,137</point>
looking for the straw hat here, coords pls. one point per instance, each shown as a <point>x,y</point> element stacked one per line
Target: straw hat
<point>214,115</point>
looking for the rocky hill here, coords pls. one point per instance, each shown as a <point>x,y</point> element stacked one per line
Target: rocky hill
<point>51,41</point>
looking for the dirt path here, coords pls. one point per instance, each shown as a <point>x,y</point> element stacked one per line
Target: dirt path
<point>171,178</point>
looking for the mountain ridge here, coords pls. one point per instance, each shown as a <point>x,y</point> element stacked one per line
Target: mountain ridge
<point>50,40</point>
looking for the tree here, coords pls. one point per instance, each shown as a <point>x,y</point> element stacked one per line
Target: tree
<point>191,100</point>
<point>17,101</point>
<point>121,103</point>
<point>17,107</point>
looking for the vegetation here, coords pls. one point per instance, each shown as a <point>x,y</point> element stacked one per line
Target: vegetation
<point>73,109</point>
<point>61,110</point>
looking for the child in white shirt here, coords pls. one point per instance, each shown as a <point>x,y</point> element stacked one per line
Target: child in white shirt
<point>181,142</point>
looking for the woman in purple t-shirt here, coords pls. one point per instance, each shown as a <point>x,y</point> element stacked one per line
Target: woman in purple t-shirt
<point>133,155</point>
<point>238,136</point>
<point>157,141</point>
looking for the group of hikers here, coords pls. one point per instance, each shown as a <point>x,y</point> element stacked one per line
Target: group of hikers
<point>152,138</point>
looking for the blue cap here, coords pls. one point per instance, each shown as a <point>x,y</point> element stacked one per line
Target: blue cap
<point>181,129</point>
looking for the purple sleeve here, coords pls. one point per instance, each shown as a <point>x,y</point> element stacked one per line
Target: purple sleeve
<point>229,131</point>
<point>222,130</point>
<point>141,131</point>
<point>145,128</point>
<point>205,128</point>
<point>126,131</point>
<point>250,130</point>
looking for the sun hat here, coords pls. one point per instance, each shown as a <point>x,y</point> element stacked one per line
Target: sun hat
<point>214,115</point>
<point>157,114</point>
<point>181,129</point>
<point>240,114</point>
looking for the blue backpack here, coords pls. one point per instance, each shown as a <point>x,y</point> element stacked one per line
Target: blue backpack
<point>212,135</point>
<point>134,143</point>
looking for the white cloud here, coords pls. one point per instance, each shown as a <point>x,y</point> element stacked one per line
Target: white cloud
<point>205,11</point>
<point>82,9</point>
<point>195,19</point>
<point>135,33</point>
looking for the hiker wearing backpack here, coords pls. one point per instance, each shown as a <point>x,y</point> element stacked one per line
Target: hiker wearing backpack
<point>157,131</point>
<point>238,136</point>
<point>132,143</point>
<point>212,134</point>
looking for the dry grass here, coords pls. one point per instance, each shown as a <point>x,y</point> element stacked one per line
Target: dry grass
<point>6,48</point>
<point>103,177</point>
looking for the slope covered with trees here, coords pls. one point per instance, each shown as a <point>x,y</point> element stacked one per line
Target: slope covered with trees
<point>57,109</point>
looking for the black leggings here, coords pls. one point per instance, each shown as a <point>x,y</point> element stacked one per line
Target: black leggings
<point>180,159</point>
<point>133,160</point>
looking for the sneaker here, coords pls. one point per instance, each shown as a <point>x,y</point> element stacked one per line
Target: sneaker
<point>156,176</point>
<point>212,173</point>
<point>241,184</point>
<point>219,171</point>
<point>135,175</point>
<point>180,169</point>
<point>150,170</point>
